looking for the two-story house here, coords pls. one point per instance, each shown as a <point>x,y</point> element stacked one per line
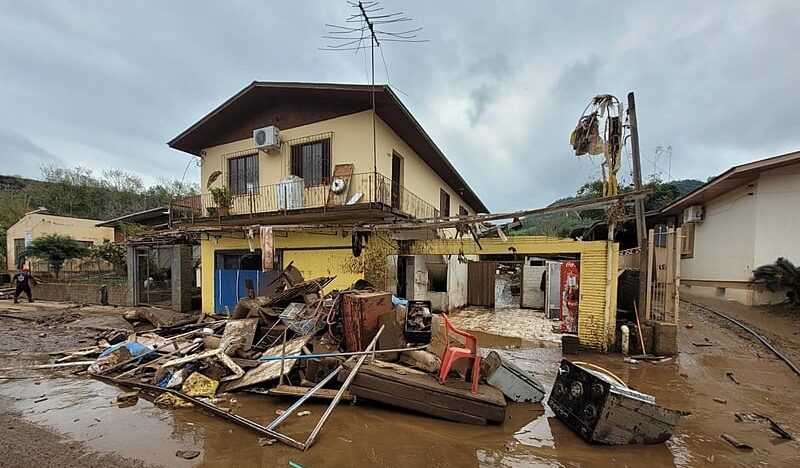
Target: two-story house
<point>307,153</point>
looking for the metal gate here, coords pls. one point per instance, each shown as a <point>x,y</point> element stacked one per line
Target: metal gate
<point>663,275</point>
<point>153,276</point>
<point>480,283</point>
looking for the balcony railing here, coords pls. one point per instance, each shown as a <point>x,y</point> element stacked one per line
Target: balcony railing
<point>296,194</point>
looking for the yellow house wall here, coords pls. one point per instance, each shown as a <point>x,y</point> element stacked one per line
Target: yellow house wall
<point>314,258</point>
<point>596,315</point>
<point>43,224</point>
<point>351,143</point>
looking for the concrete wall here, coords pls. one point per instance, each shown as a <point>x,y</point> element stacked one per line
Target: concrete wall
<point>723,242</point>
<point>351,143</point>
<point>747,227</point>
<point>39,224</point>
<point>119,295</point>
<point>777,220</point>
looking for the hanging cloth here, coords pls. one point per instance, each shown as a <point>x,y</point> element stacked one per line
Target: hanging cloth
<point>267,248</point>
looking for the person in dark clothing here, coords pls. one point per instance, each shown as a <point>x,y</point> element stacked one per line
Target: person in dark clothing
<point>23,280</point>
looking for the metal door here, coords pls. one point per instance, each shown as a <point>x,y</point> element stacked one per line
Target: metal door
<point>480,283</point>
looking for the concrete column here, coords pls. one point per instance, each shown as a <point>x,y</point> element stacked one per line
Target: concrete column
<point>182,278</point>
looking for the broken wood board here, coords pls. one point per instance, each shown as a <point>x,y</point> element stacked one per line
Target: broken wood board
<point>241,331</point>
<point>343,172</point>
<point>161,318</point>
<point>211,353</point>
<point>405,388</point>
<point>294,391</point>
<point>269,369</point>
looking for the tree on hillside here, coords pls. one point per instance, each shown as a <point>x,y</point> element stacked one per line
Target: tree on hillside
<point>781,275</point>
<point>56,250</point>
<point>111,252</point>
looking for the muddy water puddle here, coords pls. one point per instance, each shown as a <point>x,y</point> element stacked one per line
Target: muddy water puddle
<point>372,435</point>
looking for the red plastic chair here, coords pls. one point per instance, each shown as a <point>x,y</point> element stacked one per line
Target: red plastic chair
<point>452,354</point>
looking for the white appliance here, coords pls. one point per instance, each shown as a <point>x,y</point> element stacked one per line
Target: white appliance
<point>693,214</point>
<point>290,193</point>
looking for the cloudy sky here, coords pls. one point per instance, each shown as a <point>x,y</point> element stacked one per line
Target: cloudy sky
<point>499,86</point>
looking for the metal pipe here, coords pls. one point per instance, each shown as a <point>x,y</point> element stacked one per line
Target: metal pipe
<point>353,353</point>
<point>288,411</point>
<point>749,330</point>
<point>313,437</point>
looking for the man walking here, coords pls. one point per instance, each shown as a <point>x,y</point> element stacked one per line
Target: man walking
<point>23,280</point>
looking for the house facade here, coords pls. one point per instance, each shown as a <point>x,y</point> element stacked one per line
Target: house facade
<point>35,225</point>
<point>323,166</point>
<point>746,217</point>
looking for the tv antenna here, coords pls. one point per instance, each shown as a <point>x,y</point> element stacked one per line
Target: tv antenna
<point>367,27</point>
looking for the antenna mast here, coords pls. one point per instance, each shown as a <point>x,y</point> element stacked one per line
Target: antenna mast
<point>368,23</point>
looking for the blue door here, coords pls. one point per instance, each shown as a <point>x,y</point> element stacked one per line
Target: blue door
<point>229,287</point>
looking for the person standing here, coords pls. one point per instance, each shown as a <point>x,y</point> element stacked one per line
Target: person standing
<point>23,280</point>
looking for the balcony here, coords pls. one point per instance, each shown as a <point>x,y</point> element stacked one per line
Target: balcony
<point>367,195</point>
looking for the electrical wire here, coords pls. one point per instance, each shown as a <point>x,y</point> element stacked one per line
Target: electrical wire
<point>601,369</point>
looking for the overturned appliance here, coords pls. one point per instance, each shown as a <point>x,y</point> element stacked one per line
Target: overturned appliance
<point>513,381</point>
<point>603,410</point>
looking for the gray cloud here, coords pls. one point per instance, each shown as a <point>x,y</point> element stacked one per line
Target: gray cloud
<point>499,87</point>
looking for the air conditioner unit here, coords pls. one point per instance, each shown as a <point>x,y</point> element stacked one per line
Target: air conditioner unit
<point>693,214</point>
<point>267,138</point>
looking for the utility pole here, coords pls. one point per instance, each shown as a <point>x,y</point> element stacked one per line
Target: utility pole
<point>641,225</point>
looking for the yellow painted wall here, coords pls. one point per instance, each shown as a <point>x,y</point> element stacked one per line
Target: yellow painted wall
<point>321,261</point>
<point>596,316</point>
<point>41,224</point>
<point>351,143</point>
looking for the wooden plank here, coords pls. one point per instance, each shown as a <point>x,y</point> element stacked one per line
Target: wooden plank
<point>648,311</point>
<point>344,172</point>
<point>269,370</point>
<point>431,398</point>
<point>678,247</point>
<point>669,284</point>
<point>454,387</point>
<point>294,391</point>
<point>414,405</point>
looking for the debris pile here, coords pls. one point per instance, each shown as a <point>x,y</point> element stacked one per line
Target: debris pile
<point>295,341</point>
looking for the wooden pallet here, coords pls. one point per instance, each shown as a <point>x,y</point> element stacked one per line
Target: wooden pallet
<point>423,393</point>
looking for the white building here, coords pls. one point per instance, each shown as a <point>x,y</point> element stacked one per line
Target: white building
<point>746,217</point>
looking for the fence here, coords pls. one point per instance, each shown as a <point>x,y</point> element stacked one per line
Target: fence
<point>79,270</point>
<point>297,194</point>
<point>663,275</point>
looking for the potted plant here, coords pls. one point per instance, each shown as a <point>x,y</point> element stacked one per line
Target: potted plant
<point>222,198</point>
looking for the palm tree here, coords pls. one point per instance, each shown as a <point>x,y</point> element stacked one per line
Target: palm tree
<point>781,275</point>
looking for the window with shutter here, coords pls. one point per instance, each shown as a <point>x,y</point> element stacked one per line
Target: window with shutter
<point>243,174</point>
<point>312,162</point>
<point>444,204</point>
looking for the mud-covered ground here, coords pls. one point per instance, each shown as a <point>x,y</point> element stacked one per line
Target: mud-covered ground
<point>79,424</point>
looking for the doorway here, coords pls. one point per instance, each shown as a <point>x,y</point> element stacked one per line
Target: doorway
<point>396,175</point>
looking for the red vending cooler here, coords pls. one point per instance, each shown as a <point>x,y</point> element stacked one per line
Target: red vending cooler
<point>570,293</point>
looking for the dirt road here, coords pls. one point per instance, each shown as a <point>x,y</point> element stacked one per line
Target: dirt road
<point>83,411</point>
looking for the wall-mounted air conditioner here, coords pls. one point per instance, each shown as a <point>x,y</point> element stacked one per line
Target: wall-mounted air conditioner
<point>267,138</point>
<point>693,214</point>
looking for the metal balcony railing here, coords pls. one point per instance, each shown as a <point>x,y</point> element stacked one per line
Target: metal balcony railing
<point>297,194</point>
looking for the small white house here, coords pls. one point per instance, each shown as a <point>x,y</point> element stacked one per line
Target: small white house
<point>746,217</point>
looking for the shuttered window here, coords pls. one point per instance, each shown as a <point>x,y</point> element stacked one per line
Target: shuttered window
<point>444,204</point>
<point>312,162</point>
<point>462,211</point>
<point>243,174</point>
